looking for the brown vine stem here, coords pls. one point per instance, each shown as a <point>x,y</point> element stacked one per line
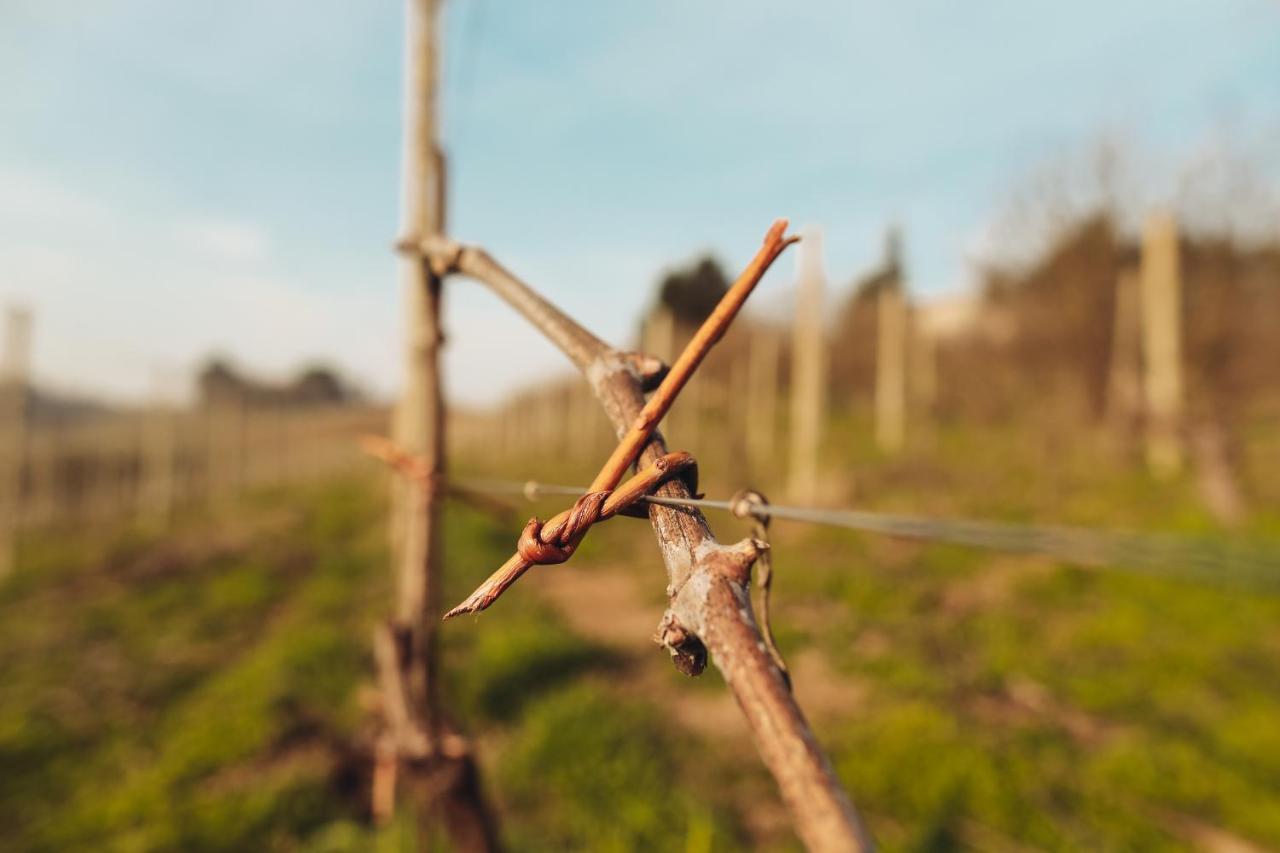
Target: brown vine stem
<point>628,448</point>
<point>708,334</point>
<point>709,608</point>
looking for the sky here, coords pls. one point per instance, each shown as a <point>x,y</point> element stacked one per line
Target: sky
<point>181,179</point>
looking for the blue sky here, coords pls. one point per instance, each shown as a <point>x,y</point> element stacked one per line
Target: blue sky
<point>180,178</point>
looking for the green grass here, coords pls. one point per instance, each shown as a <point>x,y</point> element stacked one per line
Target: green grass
<point>186,697</point>
<point>1015,700</point>
<point>596,774</point>
<point>201,691</point>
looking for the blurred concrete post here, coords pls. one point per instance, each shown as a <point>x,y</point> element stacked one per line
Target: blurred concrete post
<point>737,412</point>
<point>224,446</point>
<point>1124,381</point>
<point>808,369</point>
<point>158,450</point>
<point>548,437</point>
<point>583,425</point>
<point>891,352</point>
<point>1162,343</point>
<point>762,398</point>
<point>280,439</point>
<point>13,428</point>
<point>690,407</point>
<point>666,336</point>
<point>659,335</point>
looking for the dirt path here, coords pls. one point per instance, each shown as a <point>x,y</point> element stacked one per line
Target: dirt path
<point>613,607</point>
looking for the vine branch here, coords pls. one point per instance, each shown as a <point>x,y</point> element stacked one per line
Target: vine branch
<point>709,608</point>
<point>643,425</point>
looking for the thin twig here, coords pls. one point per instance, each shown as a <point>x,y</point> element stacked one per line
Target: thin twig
<point>446,255</point>
<point>708,334</point>
<point>628,448</point>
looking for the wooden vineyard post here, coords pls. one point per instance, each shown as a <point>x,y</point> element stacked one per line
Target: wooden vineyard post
<point>1161,305</point>
<point>737,415</point>
<point>440,770</point>
<point>1124,379</point>
<point>762,397</point>
<point>808,370</point>
<point>658,336</point>
<point>157,461</point>
<point>418,427</point>
<point>923,366</point>
<point>158,449</point>
<point>13,429</point>
<point>891,351</point>
<point>543,404</point>
<point>689,422</point>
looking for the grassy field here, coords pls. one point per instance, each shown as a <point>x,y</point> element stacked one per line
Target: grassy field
<point>203,691</point>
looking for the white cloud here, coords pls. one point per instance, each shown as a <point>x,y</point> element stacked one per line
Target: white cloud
<point>28,197</point>
<point>121,296</point>
<point>224,240</point>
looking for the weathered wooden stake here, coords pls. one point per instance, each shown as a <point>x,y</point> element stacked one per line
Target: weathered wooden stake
<point>418,427</point>
<point>891,352</point>
<point>546,436</point>
<point>923,367</point>
<point>1162,344</point>
<point>658,337</point>
<point>13,429</point>
<point>445,782</point>
<point>808,369</point>
<point>580,419</point>
<point>690,413</point>
<point>159,444</point>
<point>762,398</point>
<point>1124,377</point>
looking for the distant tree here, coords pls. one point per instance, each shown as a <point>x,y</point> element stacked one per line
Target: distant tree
<point>692,292</point>
<point>319,384</point>
<point>220,383</point>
